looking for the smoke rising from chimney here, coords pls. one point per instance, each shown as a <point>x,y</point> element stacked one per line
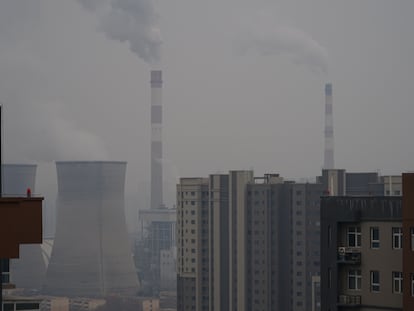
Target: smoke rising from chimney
<point>132,21</point>
<point>267,38</point>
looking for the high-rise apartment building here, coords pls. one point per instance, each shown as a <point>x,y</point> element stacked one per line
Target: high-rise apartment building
<point>361,253</point>
<point>246,243</point>
<point>192,244</point>
<point>367,244</point>
<point>408,240</point>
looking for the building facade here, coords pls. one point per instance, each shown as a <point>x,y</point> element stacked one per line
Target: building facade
<point>408,240</point>
<point>361,253</point>
<point>235,232</point>
<point>192,244</point>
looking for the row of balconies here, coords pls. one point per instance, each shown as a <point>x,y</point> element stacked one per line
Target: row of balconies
<point>351,256</point>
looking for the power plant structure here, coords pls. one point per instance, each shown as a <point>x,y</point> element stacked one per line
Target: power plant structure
<point>17,178</point>
<point>329,129</point>
<point>157,223</point>
<point>27,271</point>
<point>156,140</point>
<point>91,256</point>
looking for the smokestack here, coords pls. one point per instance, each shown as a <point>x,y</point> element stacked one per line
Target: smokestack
<point>329,130</point>
<point>156,139</point>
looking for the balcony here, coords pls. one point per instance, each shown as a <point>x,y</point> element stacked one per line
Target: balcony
<point>349,300</point>
<point>348,255</point>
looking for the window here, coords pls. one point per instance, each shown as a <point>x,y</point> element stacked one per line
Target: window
<point>397,238</point>
<point>412,238</point>
<point>412,284</point>
<point>5,267</point>
<point>329,236</point>
<point>375,281</point>
<point>354,279</point>
<point>329,278</point>
<point>354,236</point>
<point>375,238</point>
<point>397,280</point>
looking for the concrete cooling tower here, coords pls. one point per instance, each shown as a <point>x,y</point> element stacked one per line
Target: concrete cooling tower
<point>17,178</point>
<point>29,270</point>
<point>91,256</point>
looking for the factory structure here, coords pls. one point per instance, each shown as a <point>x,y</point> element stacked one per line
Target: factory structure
<point>329,129</point>
<point>223,245</point>
<point>155,253</point>
<point>91,255</point>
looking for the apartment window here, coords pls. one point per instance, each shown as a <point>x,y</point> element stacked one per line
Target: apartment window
<point>397,284</point>
<point>375,281</point>
<point>412,238</point>
<point>354,279</point>
<point>412,284</point>
<point>329,278</point>
<point>354,236</point>
<point>329,236</point>
<point>397,238</point>
<point>5,267</point>
<point>375,238</point>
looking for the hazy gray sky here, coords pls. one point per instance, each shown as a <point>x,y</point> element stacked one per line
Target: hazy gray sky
<point>243,84</point>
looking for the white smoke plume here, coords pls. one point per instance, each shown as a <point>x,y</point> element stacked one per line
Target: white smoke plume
<point>132,21</point>
<point>45,137</point>
<point>268,38</point>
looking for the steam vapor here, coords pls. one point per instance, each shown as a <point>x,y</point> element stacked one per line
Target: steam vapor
<point>55,137</point>
<point>268,39</point>
<point>132,21</point>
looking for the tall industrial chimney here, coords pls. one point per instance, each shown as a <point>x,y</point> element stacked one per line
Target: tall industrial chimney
<point>156,139</point>
<point>329,130</point>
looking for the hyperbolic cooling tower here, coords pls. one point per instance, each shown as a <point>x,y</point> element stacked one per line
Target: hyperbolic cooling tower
<point>28,271</point>
<point>329,130</point>
<point>156,139</point>
<point>17,178</point>
<point>91,256</point>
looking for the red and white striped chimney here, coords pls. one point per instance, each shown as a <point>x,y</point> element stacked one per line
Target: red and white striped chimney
<point>329,130</point>
<point>156,139</point>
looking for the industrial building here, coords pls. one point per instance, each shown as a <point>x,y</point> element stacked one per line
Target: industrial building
<point>155,253</point>
<point>91,255</point>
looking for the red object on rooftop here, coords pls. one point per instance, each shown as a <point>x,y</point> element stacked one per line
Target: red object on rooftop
<point>29,192</point>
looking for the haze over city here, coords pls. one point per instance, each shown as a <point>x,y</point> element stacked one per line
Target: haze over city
<point>243,85</point>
